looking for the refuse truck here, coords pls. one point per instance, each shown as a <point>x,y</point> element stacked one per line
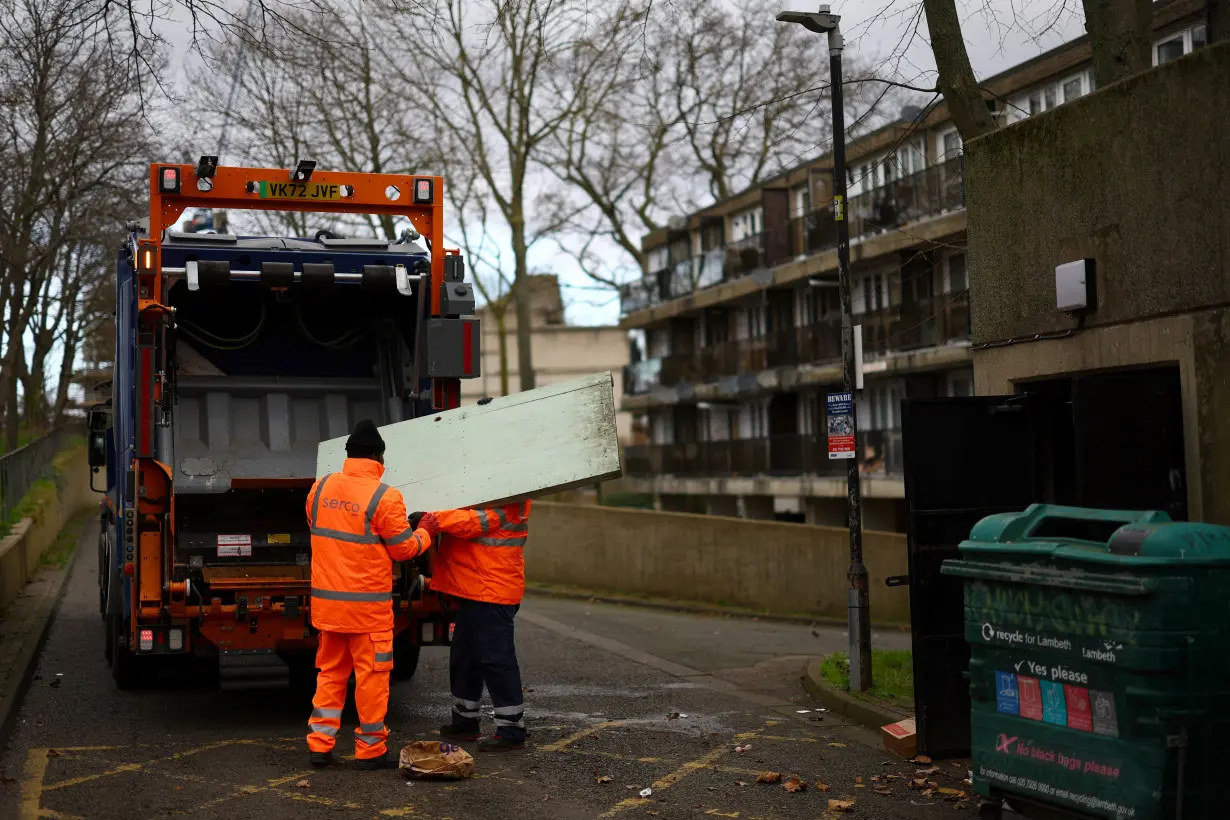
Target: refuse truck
<point>235,356</point>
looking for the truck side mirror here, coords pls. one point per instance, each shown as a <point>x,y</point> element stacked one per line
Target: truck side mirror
<point>97,454</point>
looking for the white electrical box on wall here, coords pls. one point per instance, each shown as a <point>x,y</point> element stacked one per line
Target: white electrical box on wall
<point>1074,285</point>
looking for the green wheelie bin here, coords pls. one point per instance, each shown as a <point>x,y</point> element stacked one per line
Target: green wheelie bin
<point>1099,663</point>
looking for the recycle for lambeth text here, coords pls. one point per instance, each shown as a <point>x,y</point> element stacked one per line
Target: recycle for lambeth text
<point>1021,638</point>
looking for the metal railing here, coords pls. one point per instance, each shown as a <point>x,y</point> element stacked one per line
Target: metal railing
<point>21,468</point>
<point>929,322</point>
<point>933,191</point>
<point>791,454</point>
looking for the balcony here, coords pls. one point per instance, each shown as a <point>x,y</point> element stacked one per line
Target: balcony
<point>936,190</point>
<point>931,322</point>
<point>783,456</point>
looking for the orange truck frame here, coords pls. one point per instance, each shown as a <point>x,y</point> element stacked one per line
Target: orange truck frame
<point>235,356</point>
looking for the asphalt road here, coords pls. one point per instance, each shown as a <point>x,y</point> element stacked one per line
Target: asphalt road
<point>602,684</point>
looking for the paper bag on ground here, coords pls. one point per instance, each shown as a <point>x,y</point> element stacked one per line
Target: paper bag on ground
<point>541,441</point>
<point>431,759</point>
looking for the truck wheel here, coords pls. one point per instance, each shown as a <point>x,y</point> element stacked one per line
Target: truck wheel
<point>127,668</point>
<point>104,562</point>
<point>405,658</point>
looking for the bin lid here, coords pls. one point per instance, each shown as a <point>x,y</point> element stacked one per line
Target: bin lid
<point>1047,530</point>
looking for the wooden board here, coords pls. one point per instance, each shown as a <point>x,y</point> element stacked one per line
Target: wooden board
<point>538,442</point>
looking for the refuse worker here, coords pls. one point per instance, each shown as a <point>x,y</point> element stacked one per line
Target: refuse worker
<point>359,528</point>
<point>481,564</point>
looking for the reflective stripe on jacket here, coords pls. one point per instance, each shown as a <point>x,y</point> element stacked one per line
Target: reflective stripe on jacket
<point>481,555</point>
<point>358,530</point>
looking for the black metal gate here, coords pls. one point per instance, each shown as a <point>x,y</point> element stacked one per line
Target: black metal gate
<point>965,459</point>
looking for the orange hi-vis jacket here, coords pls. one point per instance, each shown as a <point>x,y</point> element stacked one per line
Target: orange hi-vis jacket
<point>359,529</point>
<point>481,555</point>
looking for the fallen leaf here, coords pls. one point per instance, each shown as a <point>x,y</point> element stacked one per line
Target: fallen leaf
<point>885,790</point>
<point>769,777</point>
<point>956,794</point>
<point>922,759</point>
<point>918,782</point>
<point>177,788</point>
<point>794,785</point>
<point>822,787</point>
<point>932,770</point>
<point>742,749</point>
<point>52,753</point>
<point>646,792</point>
<point>546,797</point>
<point>304,784</point>
<point>957,764</point>
<point>838,745</point>
<point>928,792</point>
<point>858,780</point>
<point>841,805</point>
<point>741,783</point>
<point>604,779</point>
<point>673,716</point>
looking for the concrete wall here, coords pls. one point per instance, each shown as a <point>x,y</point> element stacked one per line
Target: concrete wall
<point>1134,176</point>
<point>786,568</point>
<point>22,549</point>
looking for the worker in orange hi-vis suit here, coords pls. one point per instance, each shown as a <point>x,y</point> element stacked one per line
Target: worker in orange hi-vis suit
<point>480,562</point>
<point>359,528</point>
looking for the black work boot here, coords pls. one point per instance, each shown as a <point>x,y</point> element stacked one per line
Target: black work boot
<point>500,743</point>
<point>321,759</point>
<point>386,761</point>
<point>459,732</point>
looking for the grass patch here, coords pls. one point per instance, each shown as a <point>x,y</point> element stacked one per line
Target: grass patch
<point>44,489</point>
<point>60,552</point>
<point>892,675</point>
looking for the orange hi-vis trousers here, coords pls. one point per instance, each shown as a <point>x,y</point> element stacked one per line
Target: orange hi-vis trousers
<point>370,656</point>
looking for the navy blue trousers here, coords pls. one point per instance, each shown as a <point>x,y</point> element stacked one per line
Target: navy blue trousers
<point>483,653</point>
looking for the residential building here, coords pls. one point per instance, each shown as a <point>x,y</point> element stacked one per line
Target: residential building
<point>740,318</point>
<point>560,351</point>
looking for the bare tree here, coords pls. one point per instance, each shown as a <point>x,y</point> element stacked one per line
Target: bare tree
<point>70,133</point>
<point>697,103</point>
<point>1119,32</point>
<point>321,88</point>
<point>484,66</point>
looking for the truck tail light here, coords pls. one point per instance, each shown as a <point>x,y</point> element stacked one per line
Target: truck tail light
<point>451,628</point>
<point>423,193</point>
<point>147,640</point>
<point>168,181</point>
<point>175,640</point>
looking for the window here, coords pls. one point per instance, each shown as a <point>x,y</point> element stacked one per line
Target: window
<point>1049,95</point>
<point>1171,49</point>
<point>866,177</point>
<point>958,278</point>
<point>755,322</point>
<point>1092,79</point>
<point>1200,37</point>
<point>961,383</point>
<point>952,145</point>
<point>1035,104</point>
<point>1072,89</point>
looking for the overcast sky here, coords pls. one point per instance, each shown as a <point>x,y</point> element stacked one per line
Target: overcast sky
<point>998,35</point>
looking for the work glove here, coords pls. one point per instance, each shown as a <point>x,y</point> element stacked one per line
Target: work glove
<point>430,523</point>
<point>414,519</point>
<point>484,400</point>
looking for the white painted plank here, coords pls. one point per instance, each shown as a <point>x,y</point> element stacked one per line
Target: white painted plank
<point>534,443</point>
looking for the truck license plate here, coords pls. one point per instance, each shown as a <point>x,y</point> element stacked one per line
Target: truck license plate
<point>319,191</point>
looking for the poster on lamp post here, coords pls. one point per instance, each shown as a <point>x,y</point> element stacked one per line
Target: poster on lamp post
<point>840,410</point>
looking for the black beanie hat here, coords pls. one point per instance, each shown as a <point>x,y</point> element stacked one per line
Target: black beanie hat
<point>365,441</point>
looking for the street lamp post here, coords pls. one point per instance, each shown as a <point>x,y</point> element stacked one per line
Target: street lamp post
<point>823,22</point>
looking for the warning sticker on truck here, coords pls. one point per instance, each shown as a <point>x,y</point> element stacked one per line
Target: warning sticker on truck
<point>234,546</point>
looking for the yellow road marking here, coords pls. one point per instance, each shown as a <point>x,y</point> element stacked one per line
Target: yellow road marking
<point>565,742</point>
<point>32,784</point>
<point>135,767</point>
<point>703,762</point>
<point>244,791</point>
<point>58,815</point>
<point>406,812</point>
